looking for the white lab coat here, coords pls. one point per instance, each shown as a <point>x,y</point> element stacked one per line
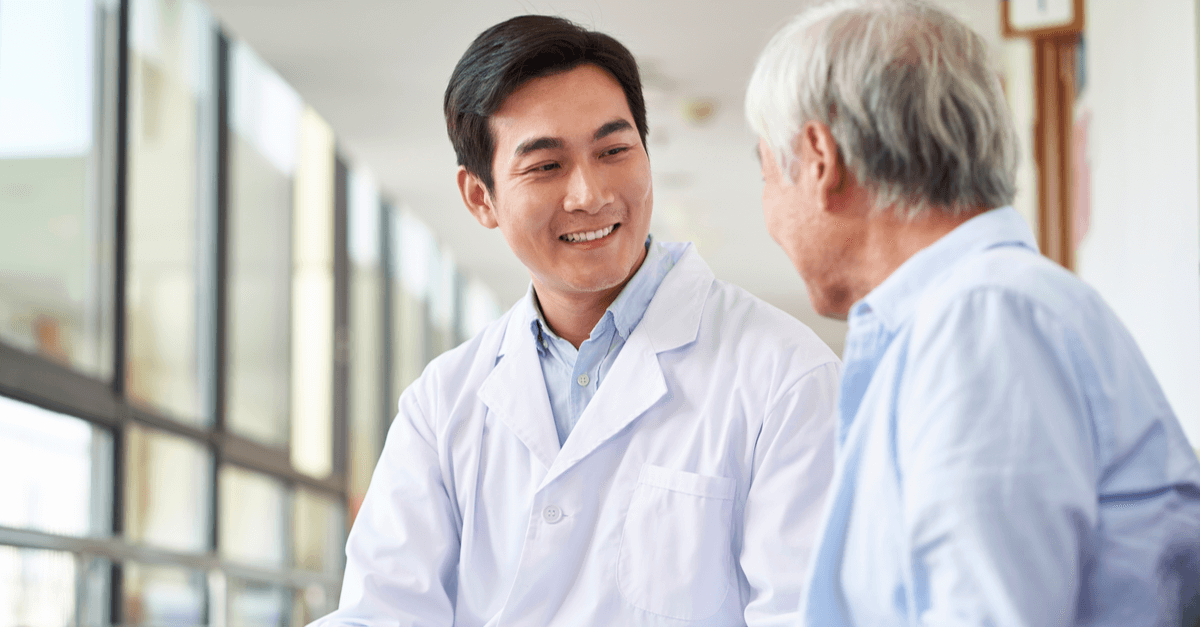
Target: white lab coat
<point>688,493</point>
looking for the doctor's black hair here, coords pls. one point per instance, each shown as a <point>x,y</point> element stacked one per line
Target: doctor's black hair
<point>509,54</point>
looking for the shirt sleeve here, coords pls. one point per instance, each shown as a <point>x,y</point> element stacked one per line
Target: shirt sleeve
<point>994,457</point>
<point>402,552</point>
<point>793,467</point>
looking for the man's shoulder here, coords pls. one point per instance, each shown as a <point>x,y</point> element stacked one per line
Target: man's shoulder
<point>1017,277</point>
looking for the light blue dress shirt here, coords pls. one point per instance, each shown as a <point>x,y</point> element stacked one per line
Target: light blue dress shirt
<point>1005,456</point>
<point>573,376</point>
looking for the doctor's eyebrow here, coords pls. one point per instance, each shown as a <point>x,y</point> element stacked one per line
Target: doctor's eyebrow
<point>553,143</point>
<point>541,143</point>
<point>609,128</point>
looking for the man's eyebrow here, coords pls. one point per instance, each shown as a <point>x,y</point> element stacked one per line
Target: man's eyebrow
<point>610,128</point>
<point>541,143</point>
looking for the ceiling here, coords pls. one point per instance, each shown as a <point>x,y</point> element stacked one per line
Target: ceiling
<point>376,71</point>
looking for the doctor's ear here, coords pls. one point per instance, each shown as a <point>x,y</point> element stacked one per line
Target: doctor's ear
<point>477,198</point>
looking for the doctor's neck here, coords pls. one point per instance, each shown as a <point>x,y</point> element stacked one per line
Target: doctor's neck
<point>572,314</point>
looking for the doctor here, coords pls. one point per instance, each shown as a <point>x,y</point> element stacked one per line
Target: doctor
<point>634,442</point>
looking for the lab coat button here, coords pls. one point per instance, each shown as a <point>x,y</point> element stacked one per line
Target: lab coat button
<point>552,514</point>
<point>583,380</point>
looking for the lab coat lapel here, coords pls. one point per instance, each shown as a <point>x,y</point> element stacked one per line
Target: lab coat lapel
<point>516,391</point>
<point>636,382</point>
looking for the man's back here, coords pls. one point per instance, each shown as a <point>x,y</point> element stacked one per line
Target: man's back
<point>1033,470</point>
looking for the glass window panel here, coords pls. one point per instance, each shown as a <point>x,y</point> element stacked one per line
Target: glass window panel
<point>162,595</point>
<point>37,588</point>
<point>318,532</point>
<point>169,490</point>
<point>263,152</point>
<point>171,218</point>
<point>56,470</point>
<point>94,591</point>
<point>312,603</point>
<point>461,284</point>
<point>411,247</point>
<point>252,517</point>
<point>367,413</point>
<point>442,301</point>
<point>312,314</point>
<point>56,164</point>
<point>417,250</point>
<point>254,604</point>
<point>480,308</point>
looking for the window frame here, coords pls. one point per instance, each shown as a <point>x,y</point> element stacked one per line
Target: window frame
<point>31,379</point>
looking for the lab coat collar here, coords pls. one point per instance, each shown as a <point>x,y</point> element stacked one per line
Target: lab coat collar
<point>516,390</point>
<point>673,317</point>
<point>629,306</point>
<point>673,313</point>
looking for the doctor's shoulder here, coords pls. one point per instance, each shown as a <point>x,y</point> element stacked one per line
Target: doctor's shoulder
<point>454,377</point>
<point>752,331</point>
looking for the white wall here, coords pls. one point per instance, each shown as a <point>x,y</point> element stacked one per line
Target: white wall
<point>1142,251</point>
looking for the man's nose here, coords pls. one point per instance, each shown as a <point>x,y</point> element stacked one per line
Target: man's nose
<point>587,190</point>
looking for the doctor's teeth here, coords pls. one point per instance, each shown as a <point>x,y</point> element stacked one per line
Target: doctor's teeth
<point>588,236</point>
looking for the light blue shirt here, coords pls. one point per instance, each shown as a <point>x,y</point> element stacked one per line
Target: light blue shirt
<point>1005,456</point>
<point>573,376</point>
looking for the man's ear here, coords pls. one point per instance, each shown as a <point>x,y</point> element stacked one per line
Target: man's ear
<point>819,163</point>
<point>476,197</point>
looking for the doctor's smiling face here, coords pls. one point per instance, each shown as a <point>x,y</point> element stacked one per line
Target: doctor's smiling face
<point>572,192</point>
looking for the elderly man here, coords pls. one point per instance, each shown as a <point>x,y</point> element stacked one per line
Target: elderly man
<point>635,442</point>
<point>1005,455</point>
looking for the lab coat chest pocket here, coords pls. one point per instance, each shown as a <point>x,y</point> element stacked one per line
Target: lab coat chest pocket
<point>676,557</point>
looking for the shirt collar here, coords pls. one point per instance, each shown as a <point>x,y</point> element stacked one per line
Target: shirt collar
<point>630,305</point>
<point>895,299</point>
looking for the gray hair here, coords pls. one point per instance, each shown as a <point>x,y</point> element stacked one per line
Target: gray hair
<point>908,94</point>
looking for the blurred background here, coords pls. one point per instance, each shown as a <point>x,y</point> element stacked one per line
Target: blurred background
<point>230,236</point>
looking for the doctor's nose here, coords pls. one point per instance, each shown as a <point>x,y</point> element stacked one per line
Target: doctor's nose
<point>586,190</point>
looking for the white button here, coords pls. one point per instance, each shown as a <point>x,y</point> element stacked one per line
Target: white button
<point>552,514</point>
<point>583,380</point>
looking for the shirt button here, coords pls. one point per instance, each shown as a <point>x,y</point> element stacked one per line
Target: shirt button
<point>552,514</point>
<point>582,380</point>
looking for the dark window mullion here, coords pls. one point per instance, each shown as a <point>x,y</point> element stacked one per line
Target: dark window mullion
<point>221,304</point>
<point>121,191</point>
<point>220,335</point>
<point>341,325</point>
<point>389,312</point>
<point>120,267</point>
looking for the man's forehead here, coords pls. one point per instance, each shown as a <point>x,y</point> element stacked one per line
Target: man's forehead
<point>575,107</point>
<point>547,95</point>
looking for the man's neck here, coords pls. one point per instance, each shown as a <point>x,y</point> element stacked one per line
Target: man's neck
<point>890,240</point>
<point>572,315</point>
